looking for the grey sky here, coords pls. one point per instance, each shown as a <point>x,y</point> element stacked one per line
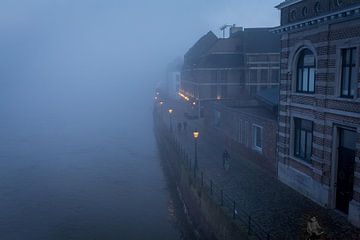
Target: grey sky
<point>77,38</point>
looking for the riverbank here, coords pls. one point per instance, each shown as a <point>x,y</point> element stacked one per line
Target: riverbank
<point>204,207</point>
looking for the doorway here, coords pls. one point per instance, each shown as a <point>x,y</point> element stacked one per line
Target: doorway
<point>345,171</point>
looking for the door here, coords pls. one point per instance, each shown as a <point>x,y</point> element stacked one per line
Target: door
<point>345,172</point>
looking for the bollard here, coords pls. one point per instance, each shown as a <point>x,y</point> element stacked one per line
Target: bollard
<point>222,197</point>
<point>211,187</point>
<point>267,236</point>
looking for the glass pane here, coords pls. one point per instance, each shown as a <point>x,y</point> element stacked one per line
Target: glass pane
<point>306,125</point>
<point>347,57</point>
<point>312,80</point>
<point>309,60</point>
<point>348,139</point>
<point>345,81</point>
<point>299,80</point>
<point>258,137</point>
<point>305,79</point>
<point>353,59</point>
<point>353,81</point>
<point>302,143</point>
<point>297,142</point>
<point>308,145</point>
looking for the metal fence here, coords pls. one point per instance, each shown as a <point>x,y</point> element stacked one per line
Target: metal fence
<point>216,193</point>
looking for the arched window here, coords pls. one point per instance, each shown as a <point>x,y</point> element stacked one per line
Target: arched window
<point>305,81</point>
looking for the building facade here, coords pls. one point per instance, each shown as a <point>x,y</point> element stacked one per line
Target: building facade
<point>249,127</point>
<point>319,111</point>
<point>229,68</point>
<point>173,79</point>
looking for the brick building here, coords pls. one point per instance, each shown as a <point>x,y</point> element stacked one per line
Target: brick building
<point>319,111</point>
<point>248,126</point>
<point>229,68</point>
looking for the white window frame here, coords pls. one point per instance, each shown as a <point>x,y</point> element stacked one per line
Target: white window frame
<point>254,137</point>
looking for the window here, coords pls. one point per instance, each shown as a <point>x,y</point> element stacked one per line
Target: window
<point>338,3</point>
<point>293,15</point>
<point>213,91</point>
<point>348,72</point>
<point>257,137</point>
<point>264,75</point>
<point>253,75</point>
<point>304,11</point>
<point>303,139</point>
<point>306,72</point>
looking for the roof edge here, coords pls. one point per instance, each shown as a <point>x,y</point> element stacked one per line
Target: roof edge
<point>286,3</point>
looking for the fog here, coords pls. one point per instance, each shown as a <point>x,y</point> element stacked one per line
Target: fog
<point>77,154</point>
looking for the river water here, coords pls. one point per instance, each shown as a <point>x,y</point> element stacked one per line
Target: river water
<point>78,160</point>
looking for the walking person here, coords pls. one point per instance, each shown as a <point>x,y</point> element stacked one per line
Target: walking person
<point>226,160</point>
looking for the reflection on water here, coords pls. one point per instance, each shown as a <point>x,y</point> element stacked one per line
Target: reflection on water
<point>80,162</point>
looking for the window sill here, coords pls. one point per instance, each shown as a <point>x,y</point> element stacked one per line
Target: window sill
<point>303,94</point>
<point>302,161</point>
<point>344,99</point>
<point>257,149</point>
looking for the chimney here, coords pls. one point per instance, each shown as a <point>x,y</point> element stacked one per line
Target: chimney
<point>235,29</point>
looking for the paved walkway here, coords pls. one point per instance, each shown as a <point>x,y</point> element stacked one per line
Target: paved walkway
<point>277,208</point>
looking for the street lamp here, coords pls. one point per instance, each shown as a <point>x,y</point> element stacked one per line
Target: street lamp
<point>196,136</point>
<point>170,118</point>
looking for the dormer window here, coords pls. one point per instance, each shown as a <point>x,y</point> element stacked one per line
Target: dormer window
<point>305,82</point>
<point>338,3</point>
<point>293,15</point>
<point>304,11</point>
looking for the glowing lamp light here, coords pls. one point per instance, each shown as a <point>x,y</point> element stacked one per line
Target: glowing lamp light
<point>196,134</point>
<point>157,93</point>
<point>156,98</point>
<point>218,98</point>
<point>194,103</point>
<point>161,102</point>
<point>170,111</point>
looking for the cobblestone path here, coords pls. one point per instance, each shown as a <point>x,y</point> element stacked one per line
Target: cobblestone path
<point>277,208</point>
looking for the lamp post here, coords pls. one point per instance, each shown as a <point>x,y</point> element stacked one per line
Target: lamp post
<point>196,136</point>
<point>170,118</point>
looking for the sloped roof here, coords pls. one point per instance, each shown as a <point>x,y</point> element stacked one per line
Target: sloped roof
<point>210,51</point>
<point>227,45</point>
<point>201,46</point>
<point>261,40</point>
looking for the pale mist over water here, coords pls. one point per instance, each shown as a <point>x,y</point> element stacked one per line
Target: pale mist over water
<point>78,158</point>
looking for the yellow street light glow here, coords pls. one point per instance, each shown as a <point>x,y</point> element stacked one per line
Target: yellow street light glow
<point>184,96</point>
<point>196,134</point>
<point>170,111</point>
